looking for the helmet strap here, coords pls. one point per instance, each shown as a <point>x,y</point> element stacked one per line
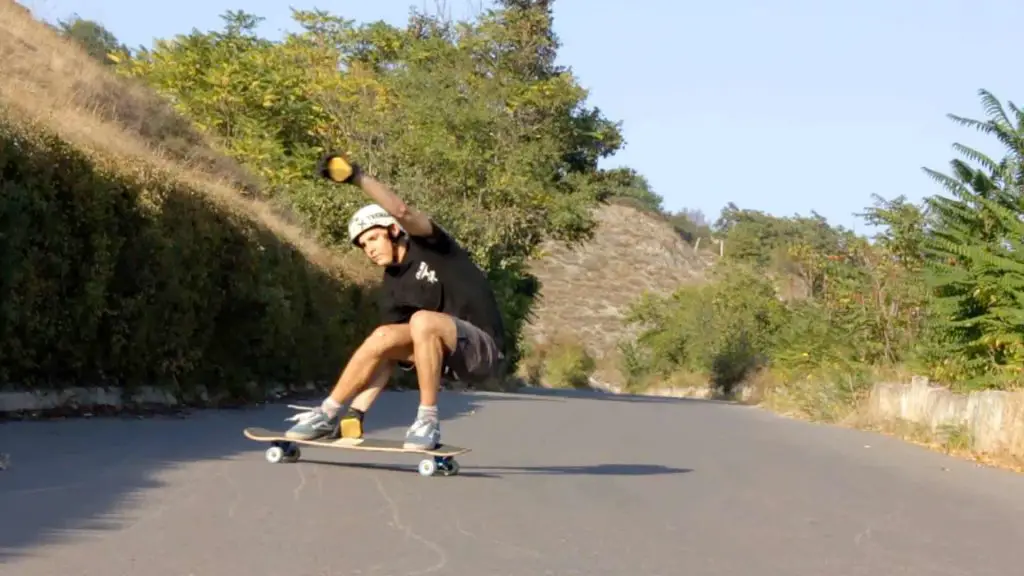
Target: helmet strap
<point>396,238</point>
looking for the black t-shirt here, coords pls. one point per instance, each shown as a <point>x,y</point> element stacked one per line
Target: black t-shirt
<point>437,274</point>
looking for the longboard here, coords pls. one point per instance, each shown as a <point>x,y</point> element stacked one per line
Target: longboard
<point>284,449</point>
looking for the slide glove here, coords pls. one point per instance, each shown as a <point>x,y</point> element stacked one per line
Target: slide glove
<point>336,168</point>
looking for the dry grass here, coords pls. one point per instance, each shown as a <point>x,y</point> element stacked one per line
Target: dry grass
<point>953,441</point>
<point>770,393</point>
<point>53,81</point>
<point>587,290</point>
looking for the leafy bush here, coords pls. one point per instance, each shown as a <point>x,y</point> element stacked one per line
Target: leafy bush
<point>722,329</point>
<point>114,273</point>
<point>562,363</point>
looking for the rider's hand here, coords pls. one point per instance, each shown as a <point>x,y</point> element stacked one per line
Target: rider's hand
<point>336,168</point>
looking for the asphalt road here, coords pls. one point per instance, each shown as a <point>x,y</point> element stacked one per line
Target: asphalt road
<point>557,484</point>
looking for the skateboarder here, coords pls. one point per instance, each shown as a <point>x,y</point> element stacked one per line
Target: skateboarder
<point>439,314</point>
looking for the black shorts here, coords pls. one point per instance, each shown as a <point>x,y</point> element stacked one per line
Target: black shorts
<point>476,357</point>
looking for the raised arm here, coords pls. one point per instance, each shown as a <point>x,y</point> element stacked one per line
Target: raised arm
<point>337,168</point>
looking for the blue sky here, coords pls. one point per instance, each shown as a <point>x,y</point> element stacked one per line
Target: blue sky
<point>786,106</point>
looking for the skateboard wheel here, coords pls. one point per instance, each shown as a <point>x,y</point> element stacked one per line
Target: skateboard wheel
<point>293,454</point>
<point>448,466</point>
<point>427,467</point>
<point>274,454</point>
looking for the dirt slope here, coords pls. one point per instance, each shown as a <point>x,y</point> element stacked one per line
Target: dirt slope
<point>586,290</point>
<point>51,80</point>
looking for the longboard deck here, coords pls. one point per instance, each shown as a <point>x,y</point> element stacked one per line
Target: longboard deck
<point>371,444</point>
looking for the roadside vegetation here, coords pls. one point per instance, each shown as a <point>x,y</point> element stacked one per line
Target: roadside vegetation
<point>813,314</point>
<point>165,195</point>
<point>209,252</point>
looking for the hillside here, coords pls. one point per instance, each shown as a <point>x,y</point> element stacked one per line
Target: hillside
<point>51,80</point>
<point>587,289</point>
<point>125,131</point>
<point>184,266</point>
<point>168,268</point>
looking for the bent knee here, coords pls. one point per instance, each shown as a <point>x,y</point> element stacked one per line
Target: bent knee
<point>424,324</point>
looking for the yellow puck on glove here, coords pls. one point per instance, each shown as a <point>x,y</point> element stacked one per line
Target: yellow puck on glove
<point>338,169</point>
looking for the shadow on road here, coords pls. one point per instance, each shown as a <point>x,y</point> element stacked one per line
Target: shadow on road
<point>595,470</point>
<point>596,394</point>
<point>405,469</point>
<point>489,471</point>
<point>77,476</point>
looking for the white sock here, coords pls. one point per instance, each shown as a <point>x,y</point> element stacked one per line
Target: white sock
<point>428,413</point>
<point>330,407</point>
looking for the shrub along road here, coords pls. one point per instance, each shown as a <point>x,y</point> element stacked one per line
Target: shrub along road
<point>558,483</point>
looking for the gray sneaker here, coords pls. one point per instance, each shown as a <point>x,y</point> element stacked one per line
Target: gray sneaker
<point>310,425</point>
<point>423,435</point>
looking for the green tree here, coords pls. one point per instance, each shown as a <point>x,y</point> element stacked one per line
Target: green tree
<point>778,243</point>
<point>691,225</point>
<point>895,272</point>
<point>976,264</point>
<point>627,183</point>
<point>97,41</point>
<point>904,230</point>
<point>473,122</point>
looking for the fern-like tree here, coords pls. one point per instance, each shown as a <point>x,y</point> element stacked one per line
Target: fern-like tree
<point>976,246</point>
<point>92,36</point>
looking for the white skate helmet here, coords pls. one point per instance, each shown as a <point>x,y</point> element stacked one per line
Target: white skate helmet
<point>369,216</point>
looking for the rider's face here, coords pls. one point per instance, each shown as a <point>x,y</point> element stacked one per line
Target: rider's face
<point>378,246</point>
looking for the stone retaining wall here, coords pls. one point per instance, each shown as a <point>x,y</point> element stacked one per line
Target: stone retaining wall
<point>994,420</point>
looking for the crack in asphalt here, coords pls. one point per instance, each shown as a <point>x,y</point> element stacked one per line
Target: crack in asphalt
<point>297,492</point>
<point>236,500</point>
<point>498,543</point>
<point>396,522</point>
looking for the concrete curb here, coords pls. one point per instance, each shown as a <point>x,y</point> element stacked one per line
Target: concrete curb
<point>742,393</point>
<point>86,399</point>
